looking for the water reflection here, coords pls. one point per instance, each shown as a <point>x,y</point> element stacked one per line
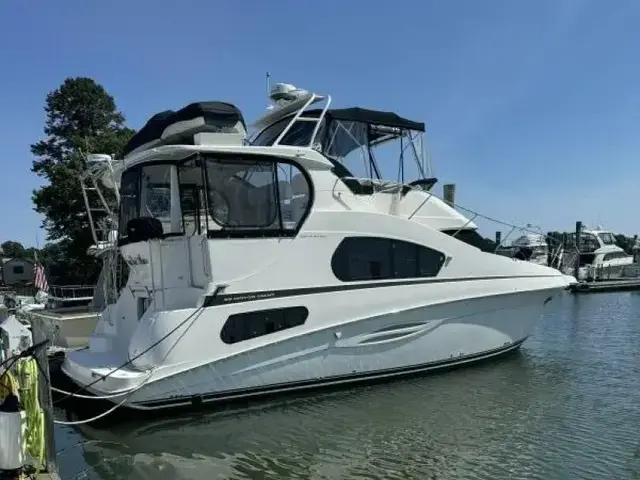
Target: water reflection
<point>565,407</point>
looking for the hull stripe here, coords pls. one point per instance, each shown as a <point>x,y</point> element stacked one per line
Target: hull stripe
<point>228,298</point>
<point>326,382</point>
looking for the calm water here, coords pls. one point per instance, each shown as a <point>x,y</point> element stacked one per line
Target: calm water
<point>566,407</point>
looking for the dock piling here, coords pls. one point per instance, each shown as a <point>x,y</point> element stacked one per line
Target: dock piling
<point>38,329</point>
<point>449,194</point>
<point>576,265</point>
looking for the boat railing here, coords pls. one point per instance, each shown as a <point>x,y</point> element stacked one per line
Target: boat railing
<point>612,272</point>
<point>472,217</point>
<point>71,292</point>
<point>304,104</point>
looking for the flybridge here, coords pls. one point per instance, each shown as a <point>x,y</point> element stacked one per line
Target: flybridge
<point>341,134</point>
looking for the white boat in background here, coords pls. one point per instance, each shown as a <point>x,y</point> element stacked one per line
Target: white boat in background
<point>269,267</point>
<point>70,312</point>
<point>530,246</point>
<point>598,255</point>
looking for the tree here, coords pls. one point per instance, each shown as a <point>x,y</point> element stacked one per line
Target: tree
<point>81,118</point>
<point>11,249</point>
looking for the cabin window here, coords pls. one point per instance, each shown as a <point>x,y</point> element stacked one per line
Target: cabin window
<point>156,191</point>
<point>614,255</point>
<point>155,196</point>
<point>242,193</point>
<point>192,197</point>
<point>607,238</point>
<point>372,258</point>
<point>247,325</point>
<point>146,192</point>
<point>18,269</point>
<point>249,196</point>
<point>588,242</point>
<point>129,199</point>
<point>255,195</point>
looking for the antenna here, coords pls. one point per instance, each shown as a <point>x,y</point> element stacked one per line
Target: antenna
<point>268,78</point>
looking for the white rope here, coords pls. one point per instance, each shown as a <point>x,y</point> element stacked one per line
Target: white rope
<point>107,412</point>
<point>95,397</point>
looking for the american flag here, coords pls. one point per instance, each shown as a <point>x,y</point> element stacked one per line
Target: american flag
<point>40,277</point>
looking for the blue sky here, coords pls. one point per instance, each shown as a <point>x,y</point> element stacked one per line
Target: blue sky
<point>532,108</point>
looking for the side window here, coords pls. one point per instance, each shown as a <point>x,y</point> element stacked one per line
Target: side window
<point>129,198</point>
<point>156,191</point>
<point>293,195</point>
<point>192,197</point>
<point>244,326</point>
<point>241,194</point>
<point>371,258</point>
<point>613,255</point>
<point>588,242</point>
<point>256,194</point>
<point>18,269</point>
<point>155,196</point>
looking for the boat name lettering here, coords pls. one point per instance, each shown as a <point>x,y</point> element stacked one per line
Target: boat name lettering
<point>249,296</point>
<point>137,260</point>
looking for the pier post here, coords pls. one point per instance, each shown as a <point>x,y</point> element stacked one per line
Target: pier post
<point>576,266</point>
<point>39,331</point>
<point>498,238</point>
<point>449,194</point>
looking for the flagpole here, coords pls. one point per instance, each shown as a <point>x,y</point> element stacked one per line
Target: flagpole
<point>38,265</point>
<point>35,268</point>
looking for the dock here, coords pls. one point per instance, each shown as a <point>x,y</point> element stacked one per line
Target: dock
<point>48,469</point>
<point>606,286</point>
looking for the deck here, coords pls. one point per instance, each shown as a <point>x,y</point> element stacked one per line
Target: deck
<point>606,286</point>
<point>68,328</point>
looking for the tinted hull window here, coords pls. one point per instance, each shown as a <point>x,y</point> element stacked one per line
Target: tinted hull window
<point>473,238</point>
<point>244,326</point>
<point>371,258</point>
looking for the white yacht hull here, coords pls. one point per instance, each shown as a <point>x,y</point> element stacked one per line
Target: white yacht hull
<point>402,342</point>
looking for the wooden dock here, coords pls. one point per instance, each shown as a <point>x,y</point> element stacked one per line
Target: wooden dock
<point>606,286</point>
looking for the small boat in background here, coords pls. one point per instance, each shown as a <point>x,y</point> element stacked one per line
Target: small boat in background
<point>531,247</point>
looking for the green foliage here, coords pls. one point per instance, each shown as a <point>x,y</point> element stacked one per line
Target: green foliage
<point>11,249</point>
<point>81,118</point>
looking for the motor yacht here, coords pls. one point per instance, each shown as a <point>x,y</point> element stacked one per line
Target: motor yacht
<point>261,265</point>
<point>598,255</point>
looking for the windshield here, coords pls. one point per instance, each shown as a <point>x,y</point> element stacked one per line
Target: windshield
<point>255,195</point>
<point>607,238</point>
<point>299,135</point>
